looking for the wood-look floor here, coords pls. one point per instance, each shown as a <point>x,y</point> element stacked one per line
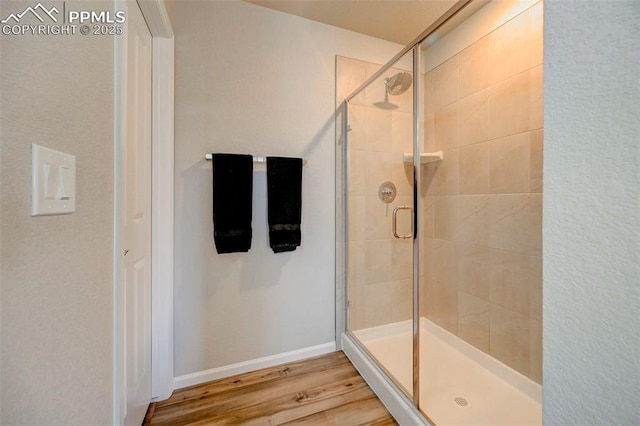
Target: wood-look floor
<point>324,390</point>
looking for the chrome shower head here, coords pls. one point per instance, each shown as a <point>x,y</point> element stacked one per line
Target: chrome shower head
<point>395,85</point>
<point>398,83</point>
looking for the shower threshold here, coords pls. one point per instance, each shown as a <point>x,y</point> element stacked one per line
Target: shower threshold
<point>459,383</point>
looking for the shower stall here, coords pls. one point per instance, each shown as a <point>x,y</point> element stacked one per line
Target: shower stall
<point>439,212</point>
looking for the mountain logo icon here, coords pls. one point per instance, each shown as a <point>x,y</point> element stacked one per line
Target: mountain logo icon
<point>38,11</point>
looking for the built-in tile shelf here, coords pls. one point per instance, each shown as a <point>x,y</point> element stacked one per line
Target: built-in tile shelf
<point>425,157</point>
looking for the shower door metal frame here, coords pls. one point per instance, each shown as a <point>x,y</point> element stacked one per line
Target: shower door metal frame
<point>417,138</point>
<point>341,267</point>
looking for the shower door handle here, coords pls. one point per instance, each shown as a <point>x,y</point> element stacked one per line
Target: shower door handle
<point>394,222</point>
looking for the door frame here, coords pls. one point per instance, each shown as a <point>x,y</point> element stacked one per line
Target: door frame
<point>162,205</point>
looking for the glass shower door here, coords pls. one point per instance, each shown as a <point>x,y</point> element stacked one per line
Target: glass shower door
<point>380,218</point>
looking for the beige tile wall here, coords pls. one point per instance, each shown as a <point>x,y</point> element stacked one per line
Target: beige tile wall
<point>483,208</point>
<point>379,267</point>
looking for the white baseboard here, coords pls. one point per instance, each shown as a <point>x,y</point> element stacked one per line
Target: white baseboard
<point>251,365</point>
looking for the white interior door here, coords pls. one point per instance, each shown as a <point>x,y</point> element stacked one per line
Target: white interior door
<point>136,220</point>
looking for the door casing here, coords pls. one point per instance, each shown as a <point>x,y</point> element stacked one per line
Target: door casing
<point>162,204</point>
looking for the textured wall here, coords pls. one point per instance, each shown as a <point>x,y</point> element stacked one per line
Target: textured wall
<point>56,294</point>
<point>591,212</point>
<point>253,80</point>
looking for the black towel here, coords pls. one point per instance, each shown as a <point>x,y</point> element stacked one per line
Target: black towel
<point>284,194</point>
<point>232,202</point>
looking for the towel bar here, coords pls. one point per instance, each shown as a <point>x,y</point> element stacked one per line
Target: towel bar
<point>209,156</point>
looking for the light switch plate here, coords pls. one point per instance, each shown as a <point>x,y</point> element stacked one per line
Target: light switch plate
<point>53,182</point>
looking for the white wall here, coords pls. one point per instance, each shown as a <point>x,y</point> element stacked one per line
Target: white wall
<point>253,80</point>
<point>592,212</point>
<point>57,287</point>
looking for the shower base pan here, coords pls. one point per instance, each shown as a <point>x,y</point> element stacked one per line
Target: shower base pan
<point>459,383</point>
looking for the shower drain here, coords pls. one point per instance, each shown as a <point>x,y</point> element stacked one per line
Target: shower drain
<point>461,401</point>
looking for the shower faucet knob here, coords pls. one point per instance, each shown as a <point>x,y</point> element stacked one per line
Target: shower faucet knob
<point>387,192</point>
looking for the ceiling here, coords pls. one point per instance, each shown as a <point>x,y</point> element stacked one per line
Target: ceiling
<point>399,21</point>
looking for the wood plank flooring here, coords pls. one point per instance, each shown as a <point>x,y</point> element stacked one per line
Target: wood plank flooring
<point>324,390</point>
